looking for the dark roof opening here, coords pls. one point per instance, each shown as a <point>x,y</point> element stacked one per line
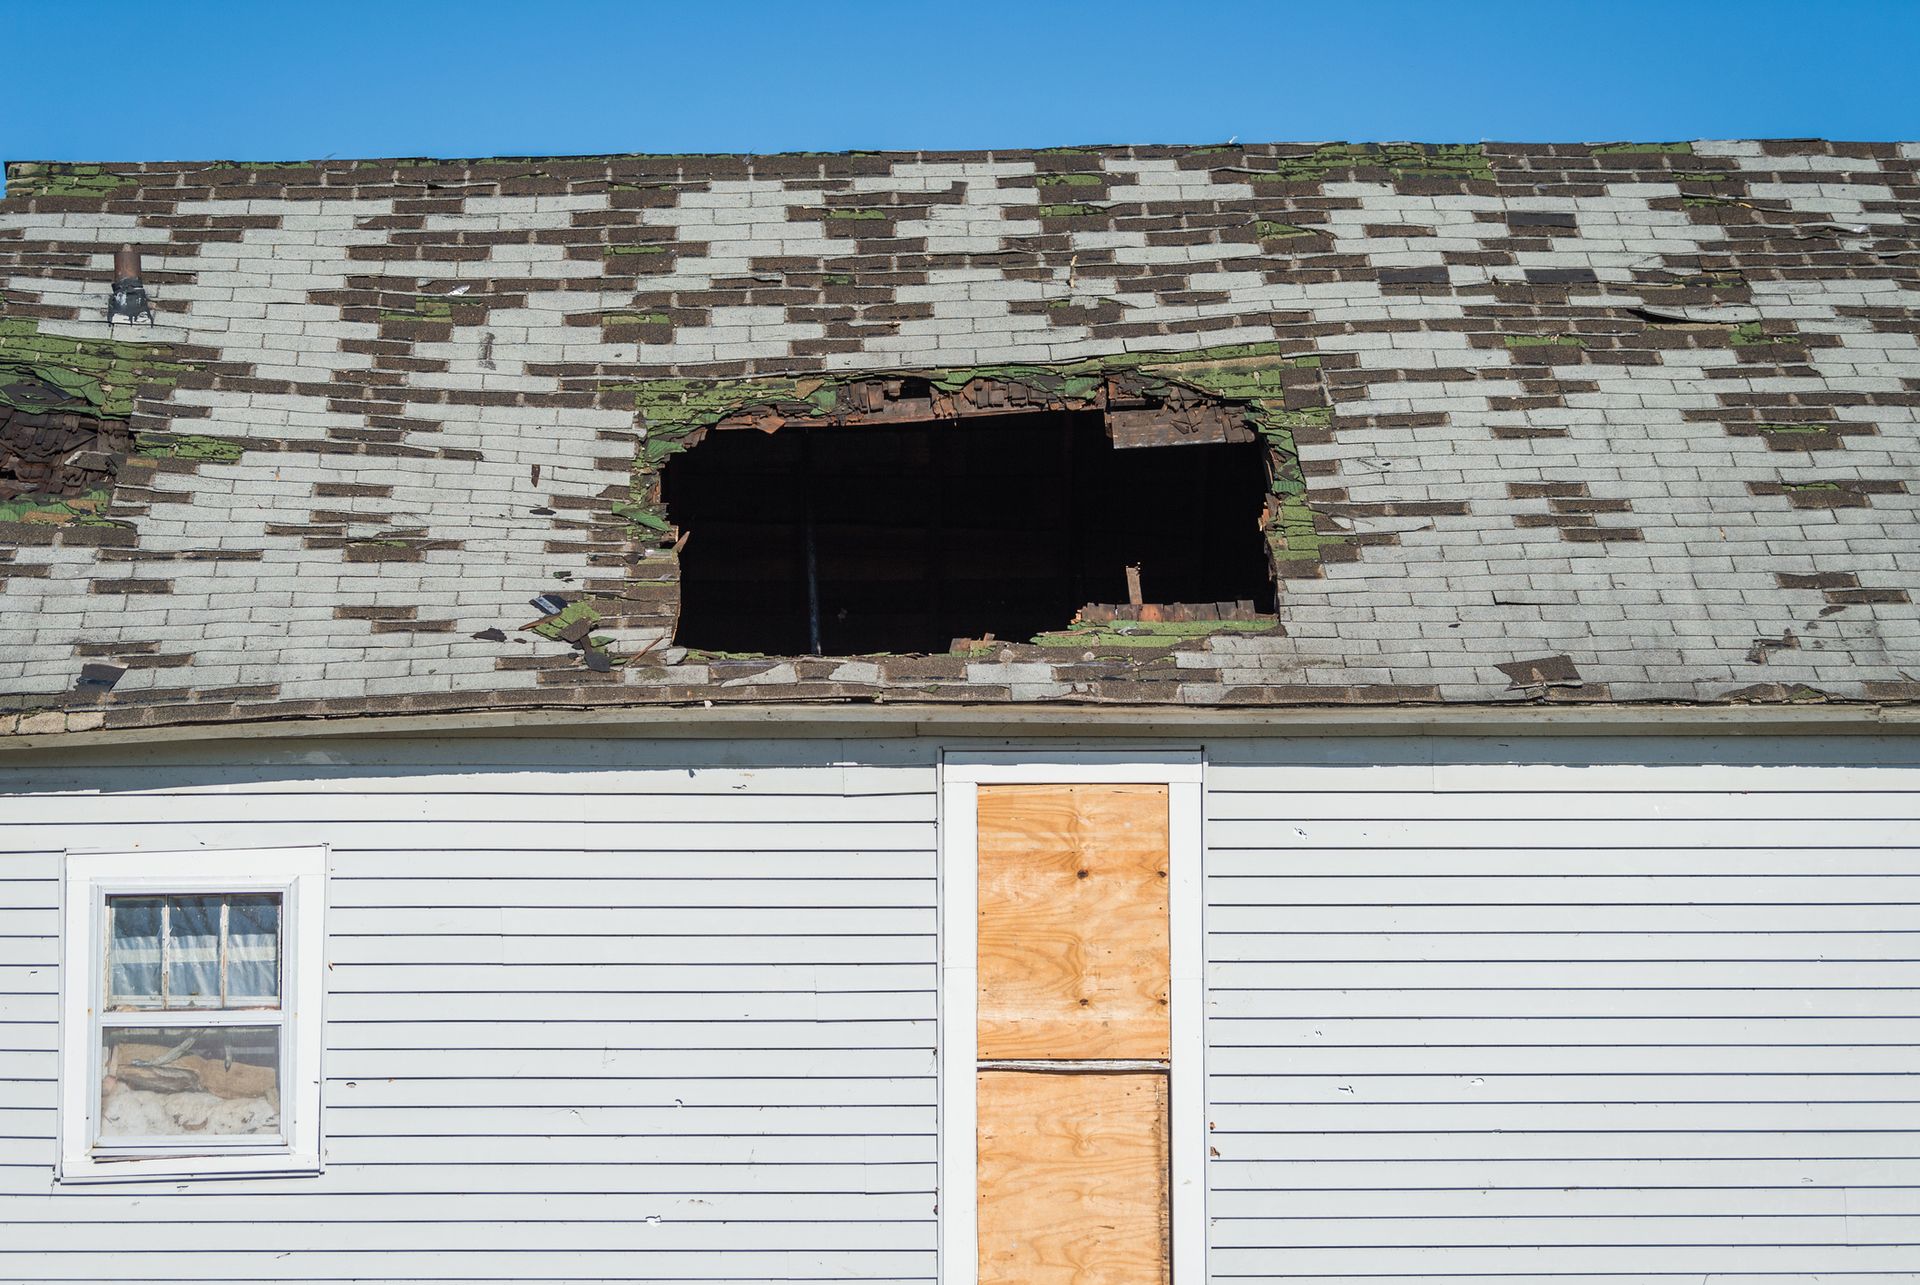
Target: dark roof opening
<point>922,534</point>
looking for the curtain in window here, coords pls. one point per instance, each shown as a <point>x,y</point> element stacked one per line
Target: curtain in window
<point>135,953</point>
<point>253,951</point>
<point>193,954</point>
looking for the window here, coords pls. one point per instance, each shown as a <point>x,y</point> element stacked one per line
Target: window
<point>190,1036</point>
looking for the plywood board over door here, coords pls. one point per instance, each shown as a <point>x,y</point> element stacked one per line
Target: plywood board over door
<point>1072,1034</point>
<point>1073,1134</point>
<point>1073,921</point>
<point>1073,1178</point>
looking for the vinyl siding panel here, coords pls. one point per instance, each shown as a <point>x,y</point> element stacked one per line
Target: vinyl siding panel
<point>596,1010</point>
<point>1567,1011</point>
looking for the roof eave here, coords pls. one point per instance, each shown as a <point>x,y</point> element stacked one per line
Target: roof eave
<point>1036,721</point>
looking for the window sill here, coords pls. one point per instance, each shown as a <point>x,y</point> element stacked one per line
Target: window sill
<point>85,1170</point>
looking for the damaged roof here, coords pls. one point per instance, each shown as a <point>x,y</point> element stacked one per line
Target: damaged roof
<point>1594,423</point>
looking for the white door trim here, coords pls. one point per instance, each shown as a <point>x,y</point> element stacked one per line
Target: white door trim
<point>962,773</point>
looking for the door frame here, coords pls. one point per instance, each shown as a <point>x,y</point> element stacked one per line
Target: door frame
<point>962,773</point>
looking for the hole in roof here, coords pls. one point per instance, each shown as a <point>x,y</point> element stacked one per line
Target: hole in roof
<point>921,535</point>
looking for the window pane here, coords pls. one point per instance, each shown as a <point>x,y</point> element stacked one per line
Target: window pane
<point>193,952</point>
<point>210,1081</point>
<point>202,967</point>
<point>133,952</point>
<point>253,952</point>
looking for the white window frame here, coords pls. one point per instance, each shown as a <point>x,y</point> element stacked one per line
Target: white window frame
<point>299,876</point>
<point>962,773</point>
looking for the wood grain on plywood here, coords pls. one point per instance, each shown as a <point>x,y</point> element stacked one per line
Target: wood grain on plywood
<point>1073,1179</point>
<point>1073,921</point>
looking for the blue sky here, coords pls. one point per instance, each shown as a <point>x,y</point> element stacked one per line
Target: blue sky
<point>284,80</point>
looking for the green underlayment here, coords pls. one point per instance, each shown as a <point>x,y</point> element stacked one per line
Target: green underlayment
<point>1402,160</point>
<point>41,372</point>
<point>573,613</point>
<point>52,374</point>
<point>1246,374</point>
<point>1644,149</point>
<point>56,510</point>
<point>1118,637</point>
<point>26,179</point>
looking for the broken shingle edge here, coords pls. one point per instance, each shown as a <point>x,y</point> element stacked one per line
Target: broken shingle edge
<point>673,414</point>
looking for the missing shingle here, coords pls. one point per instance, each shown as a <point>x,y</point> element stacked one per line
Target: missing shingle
<point>1545,672</point>
<point>99,677</point>
<point>1763,648</point>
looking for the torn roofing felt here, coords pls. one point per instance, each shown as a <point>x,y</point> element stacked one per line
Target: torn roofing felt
<point>1594,423</point>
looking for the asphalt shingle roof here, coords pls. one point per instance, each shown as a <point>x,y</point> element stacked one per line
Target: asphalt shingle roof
<point>1600,423</point>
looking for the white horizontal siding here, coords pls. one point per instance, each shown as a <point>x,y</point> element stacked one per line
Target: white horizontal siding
<point>1568,1011</point>
<point>596,1010</point>
<point>1513,1011</point>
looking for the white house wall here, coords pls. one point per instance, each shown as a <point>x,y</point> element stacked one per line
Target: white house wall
<point>1621,1010</point>
<point>596,1010</point>
<point>1532,1010</point>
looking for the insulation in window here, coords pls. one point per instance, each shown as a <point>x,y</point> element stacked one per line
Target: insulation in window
<point>167,1082</point>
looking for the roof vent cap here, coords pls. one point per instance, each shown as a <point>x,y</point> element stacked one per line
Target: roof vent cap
<point>128,303</point>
